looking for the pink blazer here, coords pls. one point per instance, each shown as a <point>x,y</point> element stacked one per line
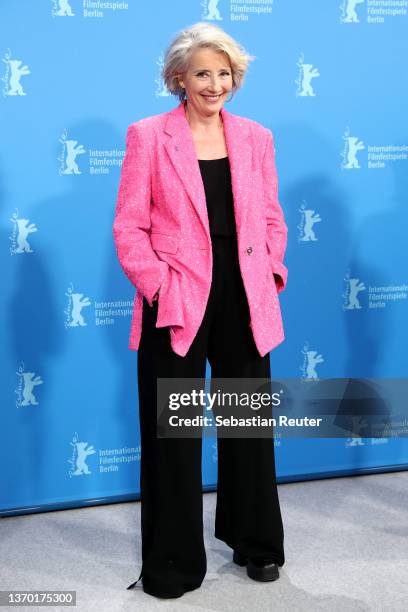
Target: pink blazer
<point>161,228</point>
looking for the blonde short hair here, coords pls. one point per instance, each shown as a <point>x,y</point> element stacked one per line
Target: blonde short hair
<point>199,35</point>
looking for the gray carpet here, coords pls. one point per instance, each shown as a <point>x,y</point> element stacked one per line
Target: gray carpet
<point>346,546</point>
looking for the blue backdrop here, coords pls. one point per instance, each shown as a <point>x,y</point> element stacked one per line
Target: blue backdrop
<point>330,82</point>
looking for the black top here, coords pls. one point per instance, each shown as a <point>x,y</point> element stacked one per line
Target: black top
<point>216,175</point>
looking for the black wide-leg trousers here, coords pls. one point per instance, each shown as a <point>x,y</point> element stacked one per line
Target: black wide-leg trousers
<point>248,517</point>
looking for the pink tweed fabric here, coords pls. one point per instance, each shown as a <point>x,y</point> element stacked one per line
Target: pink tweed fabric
<point>161,228</point>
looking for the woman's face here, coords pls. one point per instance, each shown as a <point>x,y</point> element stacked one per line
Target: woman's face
<point>208,80</point>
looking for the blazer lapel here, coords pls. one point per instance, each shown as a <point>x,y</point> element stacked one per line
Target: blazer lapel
<point>181,151</point>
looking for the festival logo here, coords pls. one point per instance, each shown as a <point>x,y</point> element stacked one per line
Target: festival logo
<point>353,287</point>
<point>373,12</point>
<point>311,359</point>
<point>211,12</point>
<point>25,388</point>
<point>87,8</point>
<point>18,238</point>
<point>161,89</point>
<point>97,162</point>
<point>61,8</point>
<point>73,311</point>
<point>306,226</point>
<point>348,12</point>
<point>352,145</point>
<point>80,452</point>
<point>15,69</point>
<point>70,150</point>
<point>306,73</point>
<point>378,296</point>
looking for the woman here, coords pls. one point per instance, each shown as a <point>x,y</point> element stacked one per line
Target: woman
<point>200,233</point>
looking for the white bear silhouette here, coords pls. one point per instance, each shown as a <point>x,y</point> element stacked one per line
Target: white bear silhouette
<point>312,359</point>
<point>16,88</point>
<point>23,230</point>
<point>308,74</point>
<point>213,11</point>
<point>83,451</point>
<point>72,152</point>
<point>357,441</point>
<point>351,14</point>
<point>355,287</point>
<point>77,304</point>
<point>310,220</point>
<point>29,384</point>
<point>354,145</point>
<point>64,9</point>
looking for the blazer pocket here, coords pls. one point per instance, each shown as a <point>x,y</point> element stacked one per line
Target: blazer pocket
<point>164,242</point>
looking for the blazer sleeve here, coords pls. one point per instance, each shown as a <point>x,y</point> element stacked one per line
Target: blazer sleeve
<point>131,226</point>
<point>276,227</point>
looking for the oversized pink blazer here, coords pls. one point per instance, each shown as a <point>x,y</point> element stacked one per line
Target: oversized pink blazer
<point>161,228</point>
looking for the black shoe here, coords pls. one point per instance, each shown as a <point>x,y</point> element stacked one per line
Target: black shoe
<point>262,570</point>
